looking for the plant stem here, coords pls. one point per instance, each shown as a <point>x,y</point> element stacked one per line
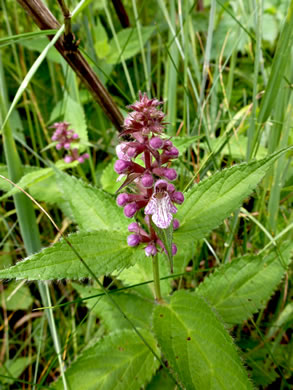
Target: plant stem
<point>157,279</point>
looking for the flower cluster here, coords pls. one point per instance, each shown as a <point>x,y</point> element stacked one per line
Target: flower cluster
<point>65,138</point>
<point>153,191</point>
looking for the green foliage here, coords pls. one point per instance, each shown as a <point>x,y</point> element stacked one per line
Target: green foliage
<point>12,369</point>
<point>137,308</point>
<point>17,297</point>
<point>91,208</point>
<point>129,43</point>
<point>119,361</point>
<point>243,287</point>
<point>103,251</point>
<point>197,346</point>
<point>208,203</point>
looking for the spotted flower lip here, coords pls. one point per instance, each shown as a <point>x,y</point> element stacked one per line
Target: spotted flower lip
<point>160,206</point>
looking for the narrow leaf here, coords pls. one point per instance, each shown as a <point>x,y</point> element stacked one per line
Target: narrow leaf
<point>197,346</point>
<point>103,251</point>
<point>207,204</point>
<point>241,288</point>
<point>119,361</point>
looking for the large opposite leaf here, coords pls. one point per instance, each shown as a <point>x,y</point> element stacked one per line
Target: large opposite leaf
<point>137,308</point>
<point>119,361</point>
<point>92,209</point>
<point>103,251</point>
<point>197,346</point>
<point>207,204</point>
<point>241,288</point>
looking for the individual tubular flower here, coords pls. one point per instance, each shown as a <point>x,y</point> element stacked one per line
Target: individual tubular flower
<point>151,189</point>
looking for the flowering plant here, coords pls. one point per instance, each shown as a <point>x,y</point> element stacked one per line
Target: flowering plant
<point>152,190</point>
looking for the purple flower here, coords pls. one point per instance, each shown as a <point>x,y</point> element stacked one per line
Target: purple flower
<point>150,250</point>
<point>150,187</point>
<point>133,240</point>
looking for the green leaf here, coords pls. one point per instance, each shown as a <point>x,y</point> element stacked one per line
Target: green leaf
<point>109,178</point>
<point>129,43</point>
<point>241,288</point>
<point>119,361</point>
<point>161,381</point>
<point>14,368</point>
<point>17,298</point>
<point>4,185</point>
<point>197,346</point>
<point>207,204</point>
<point>25,36</point>
<point>92,209</point>
<point>103,252</point>
<point>39,45</point>
<point>137,308</point>
<point>40,175</point>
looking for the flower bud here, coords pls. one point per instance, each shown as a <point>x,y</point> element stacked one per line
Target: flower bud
<point>121,166</point>
<point>174,249</point>
<point>59,146</point>
<point>122,199</point>
<point>172,152</point>
<point>86,156</point>
<point>177,197</point>
<point>80,159</point>
<point>151,250</point>
<point>75,136</point>
<point>134,227</point>
<point>67,145</point>
<point>130,209</point>
<point>68,159</point>
<point>170,174</point>
<point>156,143</point>
<point>147,180</point>
<point>168,144</point>
<point>133,240</point>
<point>171,188</point>
<point>176,224</point>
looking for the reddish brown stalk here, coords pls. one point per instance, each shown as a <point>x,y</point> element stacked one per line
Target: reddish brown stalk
<point>46,21</point>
